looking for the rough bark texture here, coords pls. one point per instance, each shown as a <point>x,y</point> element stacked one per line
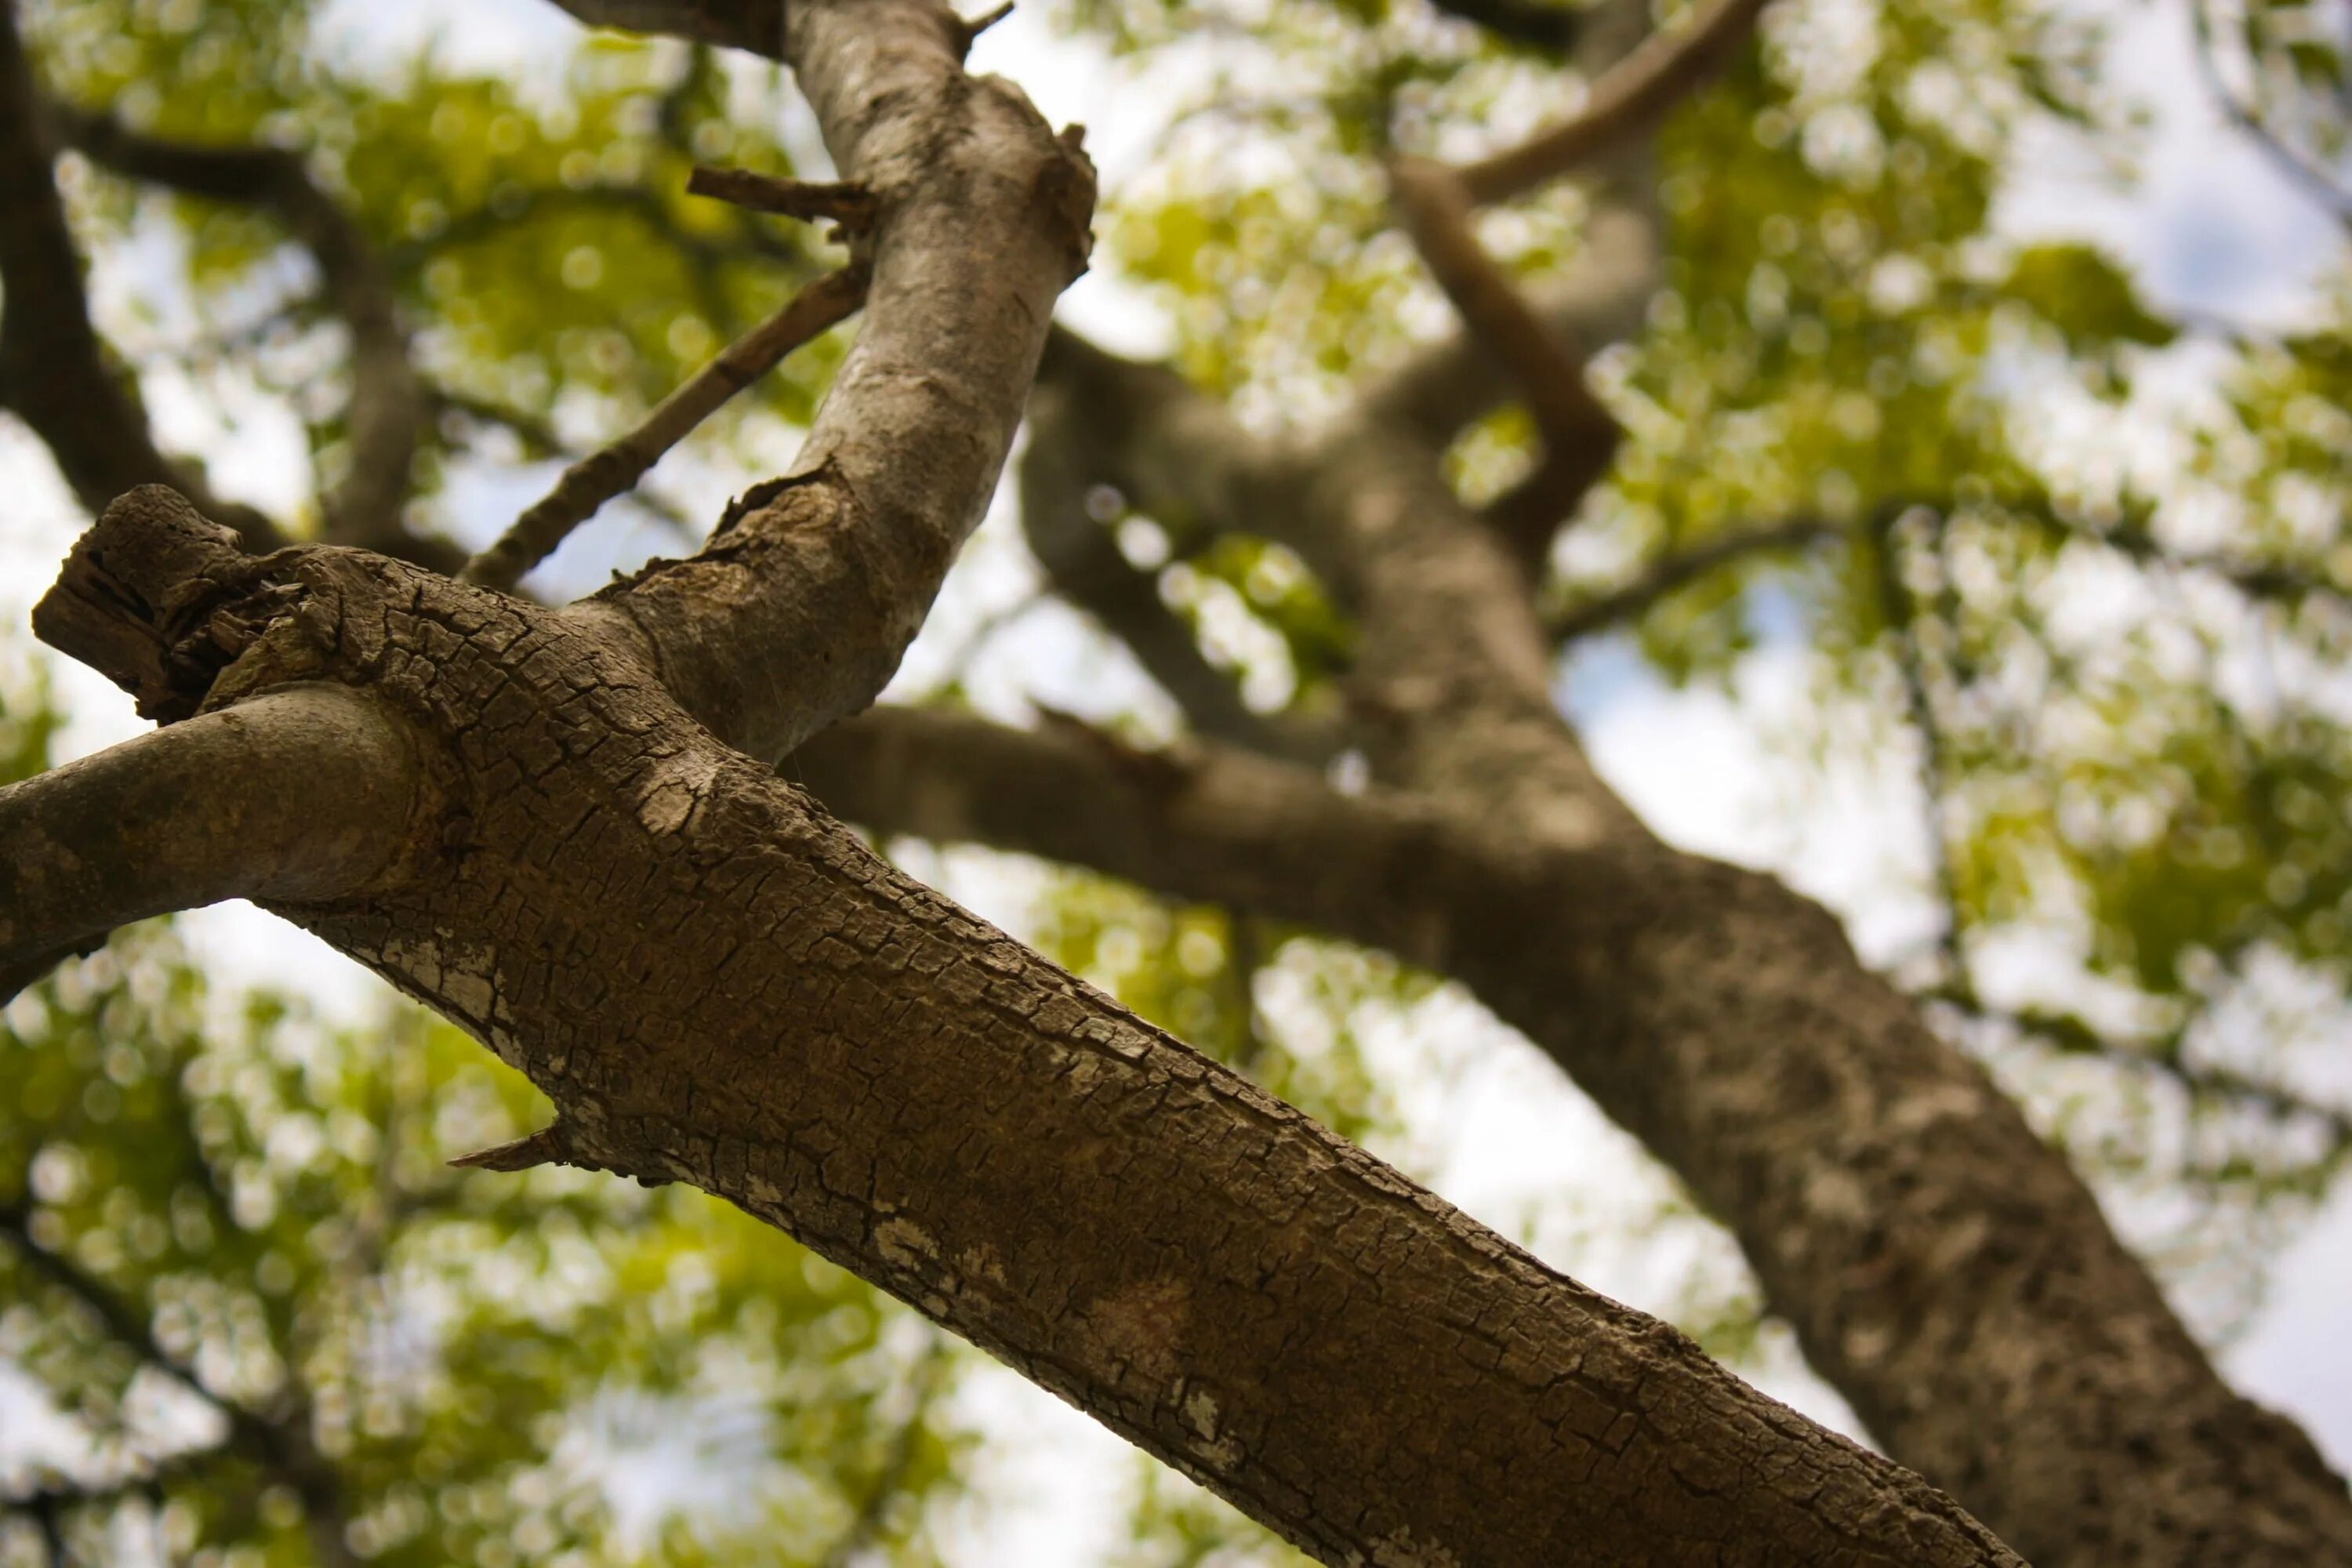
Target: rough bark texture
<point>1942,1265</point>
<point>798,611</point>
<point>717,984</point>
<point>559,831</point>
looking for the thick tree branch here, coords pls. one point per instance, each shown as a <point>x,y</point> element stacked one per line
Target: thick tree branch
<point>296,794</point>
<point>304,792</point>
<point>1654,987</point>
<point>54,371</point>
<point>615,469</point>
<point>641,919</point>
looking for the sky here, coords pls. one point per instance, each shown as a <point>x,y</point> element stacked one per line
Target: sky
<point>2209,228</point>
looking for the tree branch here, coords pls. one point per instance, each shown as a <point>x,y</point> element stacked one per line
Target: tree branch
<point>303,791</point>
<point>388,408</point>
<point>1652,984</point>
<point>278,1444</point>
<point>1550,29</point>
<point>2301,171</point>
<point>1434,201</point>
<point>1661,577</point>
<point>1082,563</point>
<point>1644,85</point>
<point>615,469</point>
<point>828,572</point>
<point>54,372</point>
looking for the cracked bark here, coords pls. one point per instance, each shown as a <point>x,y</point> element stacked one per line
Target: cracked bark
<point>1942,1267</point>
<point>716,982</point>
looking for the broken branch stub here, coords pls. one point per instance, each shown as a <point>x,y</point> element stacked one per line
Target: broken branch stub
<point>849,203</point>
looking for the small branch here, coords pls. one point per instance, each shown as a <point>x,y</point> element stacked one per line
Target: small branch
<point>1656,75</point>
<point>849,203</point>
<point>1670,572</point>
<point>588,484</point>
<point>1082,563</point>
<point>1549,28</point>
<point>865,1530</point>
<point>974,26</point>
<point>279,1443</point>
<point>540,441</point>
<point>1901,615</point>
<point>1435,203</point>
<point>2315,182</point>
<point>2070,1036</point>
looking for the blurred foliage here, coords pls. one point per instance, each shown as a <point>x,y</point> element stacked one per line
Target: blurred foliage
<point>555,278</point>
<point>249,1316</point>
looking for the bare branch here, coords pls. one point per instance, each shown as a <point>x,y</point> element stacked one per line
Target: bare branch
<point>1651,976</point>
<point>974,26</point>
<point>1634,92</point>
<point>295,795</point>
<point>829,572</point>
<point>1600,300</point>
<point>588,484</point>
<point>1434,201</point>
<point>54,371</point>
<point>2321,184</point>
<point>845,201</point>
<point>303,791</point>
<point>1662,576</point>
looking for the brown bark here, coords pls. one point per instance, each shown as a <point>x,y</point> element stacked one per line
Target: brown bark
<point>715,982</point>
<point>1941,1266</point>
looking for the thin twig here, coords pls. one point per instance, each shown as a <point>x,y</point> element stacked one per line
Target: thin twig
<point>975,26</point>
<point>588,484</point>
<point>1901,613</point>
<point>2069,1035</point>
<point>928,1376</point>
<point>1620,605</point>
<point>850,202</point>
<point>1643,85</point>
<point>2315,182</point>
